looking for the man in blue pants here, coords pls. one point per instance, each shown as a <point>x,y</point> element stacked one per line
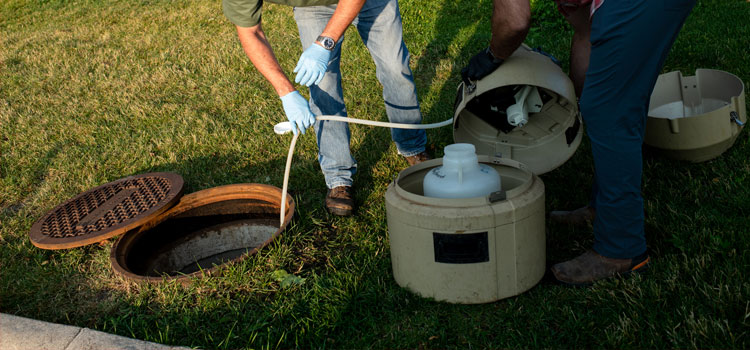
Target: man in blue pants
<point>629,41</point>
<point>321,25</point>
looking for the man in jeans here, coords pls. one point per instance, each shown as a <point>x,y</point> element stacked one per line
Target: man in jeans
<point>621,49</point>
<point>321,25</point>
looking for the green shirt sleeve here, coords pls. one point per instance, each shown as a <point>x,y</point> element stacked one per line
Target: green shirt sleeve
<point>243,13</point>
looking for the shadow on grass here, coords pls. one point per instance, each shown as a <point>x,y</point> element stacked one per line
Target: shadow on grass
<point>448,27</point>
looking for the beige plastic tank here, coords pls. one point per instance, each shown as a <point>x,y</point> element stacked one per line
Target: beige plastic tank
<point>468,250</point>
<point>523,120</point>
<point>553,131</point>
<point>695,118</point>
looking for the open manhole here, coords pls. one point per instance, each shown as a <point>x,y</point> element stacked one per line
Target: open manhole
<point>165,235</point>
<point>205,248</point>
<point>203,231</point>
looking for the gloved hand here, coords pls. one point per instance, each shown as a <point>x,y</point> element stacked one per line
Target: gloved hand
<point>297,110</point>
<point>312,65</point>
<point>482,64</point>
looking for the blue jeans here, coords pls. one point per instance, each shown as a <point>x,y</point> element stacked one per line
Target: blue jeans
<point>630,40</point>
<point>379,26</point>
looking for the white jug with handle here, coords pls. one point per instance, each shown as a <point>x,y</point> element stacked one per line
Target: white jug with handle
<point>461,175</point>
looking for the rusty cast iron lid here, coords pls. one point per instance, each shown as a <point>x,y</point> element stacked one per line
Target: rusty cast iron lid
<point>107,211</point>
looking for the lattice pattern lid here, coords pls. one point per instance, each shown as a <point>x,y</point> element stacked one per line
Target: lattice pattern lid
<point>106,211</point>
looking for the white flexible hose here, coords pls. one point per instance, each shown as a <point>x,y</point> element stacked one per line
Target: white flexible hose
<point>286,127</point>
<point>286,178</point>
<point>385,124</point>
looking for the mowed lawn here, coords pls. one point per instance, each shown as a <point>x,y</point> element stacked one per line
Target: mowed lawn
<point>93,91</point>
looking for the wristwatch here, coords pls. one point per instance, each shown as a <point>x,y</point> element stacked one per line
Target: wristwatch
<point>327,42</point>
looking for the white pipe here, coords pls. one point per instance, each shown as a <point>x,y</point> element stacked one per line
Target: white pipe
<point>286,127</point>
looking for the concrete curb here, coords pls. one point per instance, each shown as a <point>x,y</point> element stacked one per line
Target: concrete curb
<point>20,333</point>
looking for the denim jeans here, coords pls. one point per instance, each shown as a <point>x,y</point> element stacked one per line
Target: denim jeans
<point>379,26</point>
<point>630,40</point>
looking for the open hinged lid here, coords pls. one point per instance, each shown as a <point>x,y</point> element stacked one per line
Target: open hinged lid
<point>488,113</point>
<point>695,118</point>
<point>106,211</point>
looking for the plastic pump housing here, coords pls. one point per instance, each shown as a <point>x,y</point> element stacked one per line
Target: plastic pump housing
<point>553,131</point>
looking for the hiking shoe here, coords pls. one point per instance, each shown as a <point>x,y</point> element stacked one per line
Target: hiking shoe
<point>417,158</point>
<point>581,217</point>
<point>590,267</point>
<point>340,201</point>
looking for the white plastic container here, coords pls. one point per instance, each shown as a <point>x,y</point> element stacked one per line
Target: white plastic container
<point>461,175</point>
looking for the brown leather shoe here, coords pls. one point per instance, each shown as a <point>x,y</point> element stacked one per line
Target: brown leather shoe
<point>340,201</point>
<point>581,217</point>
<point>590,267</point>
<point>417,158</point>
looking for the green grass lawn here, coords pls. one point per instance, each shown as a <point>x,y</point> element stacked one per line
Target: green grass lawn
<point>93,91</point>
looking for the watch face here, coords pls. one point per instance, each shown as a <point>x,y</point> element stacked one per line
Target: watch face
<point>327,42</point>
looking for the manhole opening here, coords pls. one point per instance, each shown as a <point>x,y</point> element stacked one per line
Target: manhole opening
<point>203,238</point>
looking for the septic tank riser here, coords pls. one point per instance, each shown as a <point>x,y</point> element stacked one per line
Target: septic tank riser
<point>513,229</point>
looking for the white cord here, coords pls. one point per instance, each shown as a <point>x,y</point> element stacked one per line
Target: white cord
<point>285,127</point>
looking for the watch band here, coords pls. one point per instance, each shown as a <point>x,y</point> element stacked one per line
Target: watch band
<point>495,60</point>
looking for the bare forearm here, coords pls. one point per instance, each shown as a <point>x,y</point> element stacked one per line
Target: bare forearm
<point>510,24</point>
<point>257,48</point>
<point>346,11</point>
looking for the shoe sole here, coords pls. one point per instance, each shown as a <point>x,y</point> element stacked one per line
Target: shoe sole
<point>640,268</point>
<point>340,212</point>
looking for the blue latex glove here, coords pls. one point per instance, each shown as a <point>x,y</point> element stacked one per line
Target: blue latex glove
<point>297,110</point>
<point>312,65</point>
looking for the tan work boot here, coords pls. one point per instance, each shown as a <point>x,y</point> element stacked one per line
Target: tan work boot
<point>590,267</point>
<point>340,201</point>
<point>581,217</point>
<point>417,158</point>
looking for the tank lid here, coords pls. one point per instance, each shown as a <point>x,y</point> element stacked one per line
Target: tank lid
<point>551,133</point>
<point>107,210</point>
<point>695,118</point>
